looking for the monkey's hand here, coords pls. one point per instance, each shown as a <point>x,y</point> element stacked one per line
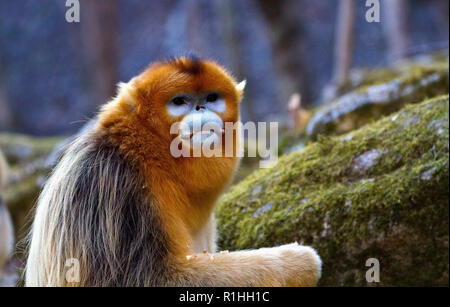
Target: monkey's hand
<point>299,265</point>
<point>286,265</point>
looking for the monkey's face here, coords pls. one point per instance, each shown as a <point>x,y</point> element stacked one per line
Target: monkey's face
<point>201,116</point>
<point>194,96</point>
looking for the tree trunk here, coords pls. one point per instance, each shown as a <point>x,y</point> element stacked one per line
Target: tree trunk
<point>396,26</point>
<point>344,41</point>
<point>233,42</point>
<point>286,41</point>
<point>6,115</point>
<point>443,8</point>
<point>99,37</point>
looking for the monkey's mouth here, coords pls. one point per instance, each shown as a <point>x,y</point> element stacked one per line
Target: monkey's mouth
<point>206,133</point>
<point>201,128</point>
<point>200,137</point>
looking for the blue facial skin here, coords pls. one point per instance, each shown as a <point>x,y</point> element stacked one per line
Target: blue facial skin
<point>200,116</point>
<point>182,104</point>
<point>197,110</point>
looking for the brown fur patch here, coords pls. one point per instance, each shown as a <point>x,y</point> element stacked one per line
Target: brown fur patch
<point>189,65</point>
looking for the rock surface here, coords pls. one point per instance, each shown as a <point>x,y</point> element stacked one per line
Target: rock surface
<point>382,92</point>
<point>378,192</point>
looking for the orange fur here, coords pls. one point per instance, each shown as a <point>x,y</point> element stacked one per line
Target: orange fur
<point>183,189</point>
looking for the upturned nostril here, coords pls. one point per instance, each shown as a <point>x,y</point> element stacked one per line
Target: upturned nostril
<point>198,108</point>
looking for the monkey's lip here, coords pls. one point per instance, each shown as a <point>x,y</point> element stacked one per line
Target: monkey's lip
<point>189,135</point>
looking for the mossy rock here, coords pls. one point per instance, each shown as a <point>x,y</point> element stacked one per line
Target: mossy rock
<point>19,149</point>
<point>382,92</point>
<point>378,192</point>
<point>26,157</point>
<point>363,76</point>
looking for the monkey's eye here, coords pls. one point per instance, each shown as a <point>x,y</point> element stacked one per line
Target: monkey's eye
<point>212,97</point>
<point>179,101</point>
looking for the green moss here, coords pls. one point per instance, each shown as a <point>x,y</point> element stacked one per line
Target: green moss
<point>381,192</point>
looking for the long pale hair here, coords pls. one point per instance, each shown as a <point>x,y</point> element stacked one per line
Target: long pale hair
<point>94,223</point>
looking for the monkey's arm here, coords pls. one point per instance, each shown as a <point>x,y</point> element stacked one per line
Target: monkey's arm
<point>287,265</point>
<point>206,238</point>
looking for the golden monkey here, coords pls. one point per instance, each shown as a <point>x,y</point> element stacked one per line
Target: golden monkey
<point>132,214</point>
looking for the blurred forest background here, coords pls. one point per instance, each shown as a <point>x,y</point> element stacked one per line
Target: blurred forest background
<point>55,74</point>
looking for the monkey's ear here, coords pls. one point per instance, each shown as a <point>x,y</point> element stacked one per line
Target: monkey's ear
<point>241,86</point>
<point>124,91</point>
<point>123,99</point>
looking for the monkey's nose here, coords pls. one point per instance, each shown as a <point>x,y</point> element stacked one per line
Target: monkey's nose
<point>200,121</point>
<point>199,107</point>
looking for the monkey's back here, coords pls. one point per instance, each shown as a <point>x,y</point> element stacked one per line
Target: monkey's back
<point>95,216</point>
